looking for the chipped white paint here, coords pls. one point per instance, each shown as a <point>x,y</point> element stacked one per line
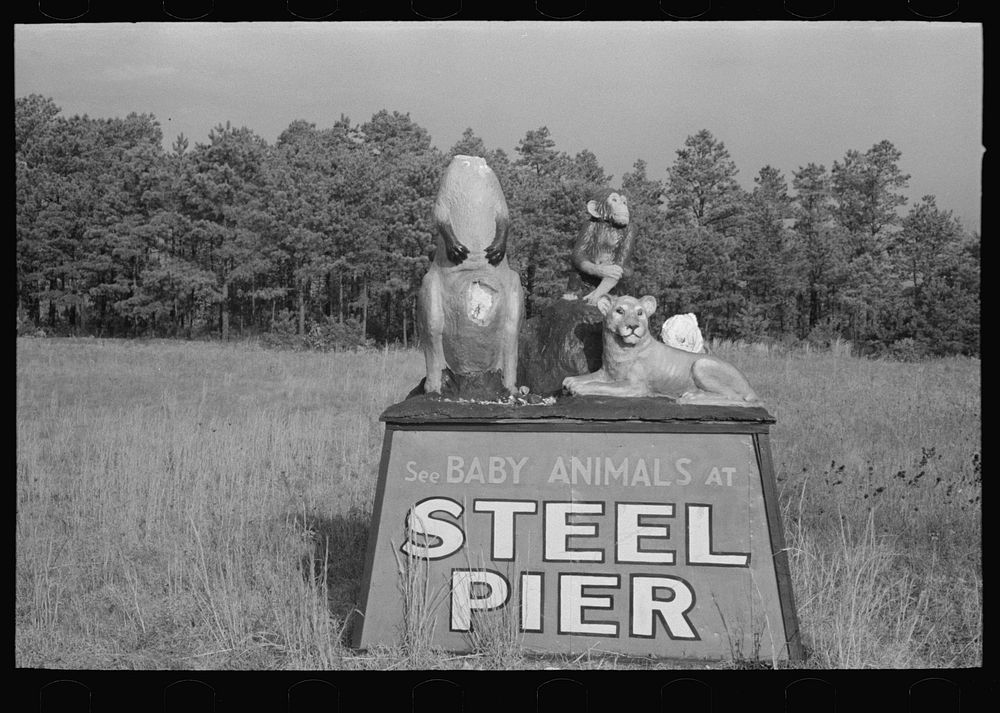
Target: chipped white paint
<point>681,331</point>
<point>479,304</point>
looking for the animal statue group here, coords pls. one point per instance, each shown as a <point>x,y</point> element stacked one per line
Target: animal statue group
<point>470,301</point>
<point>591,342</point>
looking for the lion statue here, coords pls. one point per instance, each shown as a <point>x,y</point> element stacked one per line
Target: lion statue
<point>636,364</point>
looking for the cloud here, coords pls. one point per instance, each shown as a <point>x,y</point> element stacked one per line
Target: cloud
<point>132,72</point>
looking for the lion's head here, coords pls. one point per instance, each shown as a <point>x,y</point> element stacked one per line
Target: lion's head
<point>627,318</point>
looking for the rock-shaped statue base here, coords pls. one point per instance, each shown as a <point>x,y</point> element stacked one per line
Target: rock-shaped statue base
<point>564,340</point>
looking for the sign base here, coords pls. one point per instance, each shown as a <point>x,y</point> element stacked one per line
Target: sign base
<point>628,526</point>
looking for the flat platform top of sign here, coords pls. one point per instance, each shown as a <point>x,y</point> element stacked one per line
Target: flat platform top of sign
<point>427,409</point>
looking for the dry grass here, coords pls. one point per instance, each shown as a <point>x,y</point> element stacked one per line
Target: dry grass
<point>194,505</point>
<point>879,467</point>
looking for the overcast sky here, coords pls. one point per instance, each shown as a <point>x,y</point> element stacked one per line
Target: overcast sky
<point>778,93</point>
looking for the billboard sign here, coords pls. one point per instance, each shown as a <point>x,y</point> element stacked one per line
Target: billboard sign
<point>644,543</point>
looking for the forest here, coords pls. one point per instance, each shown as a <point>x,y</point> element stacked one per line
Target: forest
<point>322,238</point>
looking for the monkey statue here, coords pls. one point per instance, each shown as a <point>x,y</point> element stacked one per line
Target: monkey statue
<point>602,248</point>
<point>565,339</point>
<point>470,301</point>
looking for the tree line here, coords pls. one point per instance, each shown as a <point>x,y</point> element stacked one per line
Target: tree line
<point>330,229</point>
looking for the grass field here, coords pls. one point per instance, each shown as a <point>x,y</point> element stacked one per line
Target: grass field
<point>201,505</point>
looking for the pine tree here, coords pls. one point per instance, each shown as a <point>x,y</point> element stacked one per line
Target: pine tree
<point>764,257</point>
<point>547,194</point>
<point>83,211</point>
<point>654,259</point>
<point>937,268</point>
<point>221,195</point>
<point>705,208</point>
<point>537,152</point>
<point>398,220</point>
<point>867,191</point>
<point>701,185</point>
<point>469,145</point>
<point>819,244</point>
<point>176,284</point>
